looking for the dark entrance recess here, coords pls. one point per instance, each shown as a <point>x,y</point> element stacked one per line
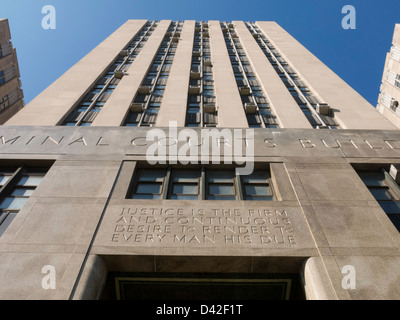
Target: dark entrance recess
<point>202,286</point>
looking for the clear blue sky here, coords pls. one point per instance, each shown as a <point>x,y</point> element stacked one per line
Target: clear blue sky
<point>357,56</point>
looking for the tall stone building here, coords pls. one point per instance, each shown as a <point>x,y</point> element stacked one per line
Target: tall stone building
<point>11,95</point>
<point>389,96</point>
<point>199,160</point>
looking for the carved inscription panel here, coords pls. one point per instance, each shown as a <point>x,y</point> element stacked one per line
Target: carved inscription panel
<point>203,226</point>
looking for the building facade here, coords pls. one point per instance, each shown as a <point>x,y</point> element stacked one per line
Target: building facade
<point>199,160</point>
<point>389,96</point>
<point>11,94</point>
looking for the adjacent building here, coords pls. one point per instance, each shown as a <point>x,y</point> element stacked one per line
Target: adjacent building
<point>11,95</point>
<point>199,160</point>
<point>389,97</point>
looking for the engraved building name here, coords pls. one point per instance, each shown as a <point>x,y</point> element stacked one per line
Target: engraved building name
<point>56,140</point>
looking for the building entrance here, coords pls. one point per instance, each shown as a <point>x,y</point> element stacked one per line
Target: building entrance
<point>202,286</point>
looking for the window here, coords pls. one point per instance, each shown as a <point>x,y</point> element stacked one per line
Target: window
<point>2,78</point>
<point>201,183</point>
<point>386,192</point>
<point>153,110</point>
<point>394,105</point>
<point>149,184</point>
<point>193,109</point>
<point>82,115</point>
<point>397,81</point>
<point>257,186</point>
<point>21,192</point>
<point>184,185</point>
<point>16,186</point>
<point>221,185</point>
<point>5,101</point>
<point>5,175</point>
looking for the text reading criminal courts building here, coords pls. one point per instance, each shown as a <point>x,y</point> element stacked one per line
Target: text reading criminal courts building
<point>199,160</point>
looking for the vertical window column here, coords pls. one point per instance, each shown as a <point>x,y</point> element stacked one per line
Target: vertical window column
<point>194,103</point>
<point>89,107</point>
<point>201,108</point>
<point>319,114</point>
<point>146,104</point>
<point>258,112</point>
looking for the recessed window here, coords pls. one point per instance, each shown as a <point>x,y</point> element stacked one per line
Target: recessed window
<point>185,185</point>
<point>2,78</point>
<point>149,184</point>
<point>397,81</point>
<point>5,176</point>
<point>201,183</point>
<point>16,186</point>
<point>221,185</point>
<point>22,191</point>
<point>193,110</point>
<point>257,186</point>
<point>385,191</point>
